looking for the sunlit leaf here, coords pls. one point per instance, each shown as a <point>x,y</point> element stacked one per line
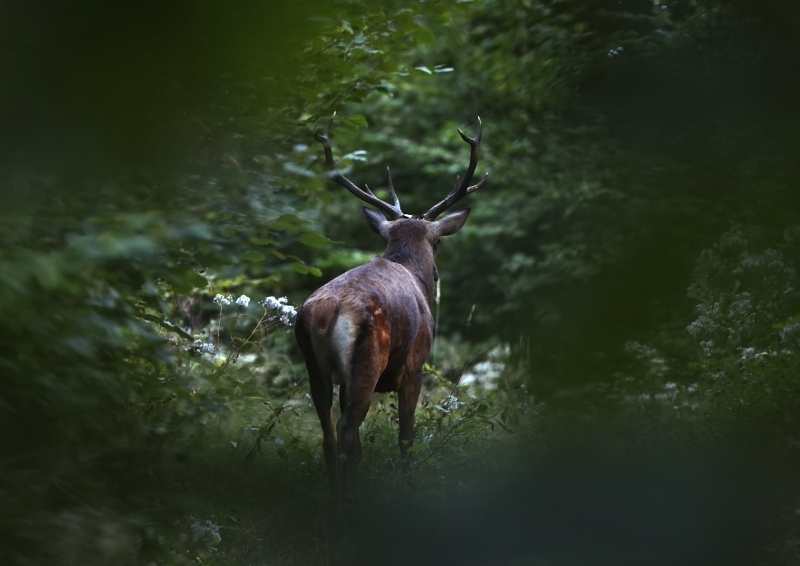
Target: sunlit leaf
<point>357,119</point>
<point>314,240</point>
<point>300,268</point>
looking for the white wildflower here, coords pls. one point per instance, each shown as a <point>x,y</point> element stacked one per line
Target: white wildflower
<point>223,300</point>
<point>271,303</point>
<point>203,347</point>
<point>206,533</point>
<point>639,350</point>
<point>708,347</point>
<point>747,352</point>
<point>288,312</point>
<point>243,300</point>
<point>449,404</point>
<point>788,332</point>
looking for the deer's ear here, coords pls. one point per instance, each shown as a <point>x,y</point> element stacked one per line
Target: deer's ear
<point>376,222</point>
<point>452,222</point>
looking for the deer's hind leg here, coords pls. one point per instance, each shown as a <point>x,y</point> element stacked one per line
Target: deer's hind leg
<point>357,405</point>
<point>370,355</point>
<point>408,393</point>
<point>407,397</point>
<point>319,379</point>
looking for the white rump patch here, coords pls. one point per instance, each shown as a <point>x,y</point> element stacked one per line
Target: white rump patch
<point>343,337</point>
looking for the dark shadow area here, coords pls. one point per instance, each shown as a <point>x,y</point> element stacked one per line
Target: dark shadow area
<point>589,499</point>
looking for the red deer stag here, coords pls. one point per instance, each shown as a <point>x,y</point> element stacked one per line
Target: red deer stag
<point>370,329</point>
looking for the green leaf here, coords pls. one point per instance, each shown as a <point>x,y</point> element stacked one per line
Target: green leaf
<point>315,271</point>
<point>416,448</point>
<point>197,280</point>
<point>253,256</point>
<point>184,279</point>
<point>228,231</point>
<point>389,66</point>
<point>299,268</point>
<point>442,18</point>
<point>781,325</point>
<point>424,36</point>
<point>287,223</point>
<point>357,119</point>
<point>277,254</point>
<point>425,70</point>
<point>313,240</point>
<point>263,241</point>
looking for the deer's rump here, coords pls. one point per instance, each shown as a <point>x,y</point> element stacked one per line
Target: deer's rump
<point>375,314</point>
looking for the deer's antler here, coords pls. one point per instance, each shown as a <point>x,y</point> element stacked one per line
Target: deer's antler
<point>392,210</point>
<point>461,190</point>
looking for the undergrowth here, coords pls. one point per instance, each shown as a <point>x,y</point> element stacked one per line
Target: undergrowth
<point>250,486</point>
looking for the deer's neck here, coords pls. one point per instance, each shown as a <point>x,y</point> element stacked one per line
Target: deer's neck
<point>418,262</point>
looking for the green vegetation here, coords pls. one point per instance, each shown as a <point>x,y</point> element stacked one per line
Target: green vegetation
<point>615,377</point>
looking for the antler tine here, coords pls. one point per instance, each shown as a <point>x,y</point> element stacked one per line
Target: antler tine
<point>395,200</point>
<point>393,210</point>
<point>459,191</point>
